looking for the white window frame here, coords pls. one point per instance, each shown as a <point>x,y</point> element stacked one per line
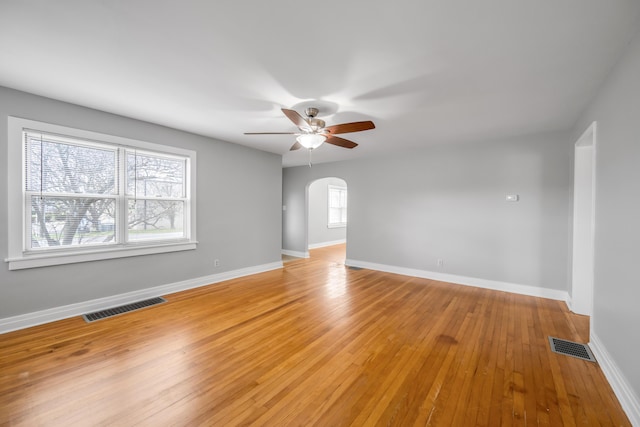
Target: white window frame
<point>329,223</point>
<point>19,255</point>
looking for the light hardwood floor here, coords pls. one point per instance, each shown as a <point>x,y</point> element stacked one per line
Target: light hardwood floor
<point>312,344</point>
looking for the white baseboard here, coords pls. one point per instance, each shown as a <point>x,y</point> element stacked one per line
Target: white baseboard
<point>464,280</point>
<point>570,302</point>
<point>296,254</point>
<point>58,313</point>
<point>325,244</point>
<point>623,391</point>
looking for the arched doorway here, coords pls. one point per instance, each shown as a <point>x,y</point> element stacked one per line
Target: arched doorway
<point>327,216</point>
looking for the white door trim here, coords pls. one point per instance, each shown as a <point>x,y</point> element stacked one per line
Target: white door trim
<point>584,194</point>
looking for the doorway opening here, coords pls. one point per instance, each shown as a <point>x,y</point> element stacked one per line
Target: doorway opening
<point>327,219</point>
<point>584,222</point>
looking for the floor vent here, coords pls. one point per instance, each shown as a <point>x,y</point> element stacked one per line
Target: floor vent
<point>570,348</point>
<point>110,312</point>
<point>351,267</point>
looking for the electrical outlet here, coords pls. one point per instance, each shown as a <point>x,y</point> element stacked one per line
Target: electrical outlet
<point>440,262</point>
<point>216,263</point>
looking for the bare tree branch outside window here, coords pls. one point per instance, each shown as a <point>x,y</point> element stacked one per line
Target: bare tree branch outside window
<point>74,192</point>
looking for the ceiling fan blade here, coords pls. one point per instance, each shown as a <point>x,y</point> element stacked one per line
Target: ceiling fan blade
<point>340,142</point>
<point>270,133</point>
<point>295,146</point>
<point>296,118</point>
<point>350,127</point>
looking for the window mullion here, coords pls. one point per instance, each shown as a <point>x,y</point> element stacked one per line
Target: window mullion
<point>122,201</point>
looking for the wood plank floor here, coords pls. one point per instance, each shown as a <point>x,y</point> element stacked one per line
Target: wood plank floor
<point>312,344</point>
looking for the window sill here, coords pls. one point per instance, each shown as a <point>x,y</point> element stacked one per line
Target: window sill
<point>59,258</point>
<point>336,225</point>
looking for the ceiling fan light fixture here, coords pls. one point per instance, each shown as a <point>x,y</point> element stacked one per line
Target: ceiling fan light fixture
<point>311,140</point>
<point>313,132</point>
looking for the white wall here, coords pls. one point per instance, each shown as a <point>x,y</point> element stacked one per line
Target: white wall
<point>319,232</point>
<point>238,214</point>
<point>616,312</point>
<point>448,202</point>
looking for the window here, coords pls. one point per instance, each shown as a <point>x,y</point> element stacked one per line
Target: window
<point>88,196</point>
<point>337,206</point>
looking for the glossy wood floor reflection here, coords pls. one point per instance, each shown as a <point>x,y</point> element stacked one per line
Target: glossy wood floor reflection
<point>312,344</point>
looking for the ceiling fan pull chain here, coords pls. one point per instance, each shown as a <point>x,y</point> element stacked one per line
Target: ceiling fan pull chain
<point>310,150</point>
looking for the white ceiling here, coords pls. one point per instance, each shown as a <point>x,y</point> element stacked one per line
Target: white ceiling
<point>425,71</point>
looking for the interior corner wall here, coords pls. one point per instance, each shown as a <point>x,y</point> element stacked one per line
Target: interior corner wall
<point>448,202</point>
<point>238,213</point>
<point>616,110</point>
<point>319,232</point>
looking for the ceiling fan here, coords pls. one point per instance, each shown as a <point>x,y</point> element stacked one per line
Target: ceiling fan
<point>314,132</point>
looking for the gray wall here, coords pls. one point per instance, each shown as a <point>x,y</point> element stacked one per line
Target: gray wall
<point>238,213</point>
<point>616,109</point>
<point>448,202</point>
<point>319,212</point>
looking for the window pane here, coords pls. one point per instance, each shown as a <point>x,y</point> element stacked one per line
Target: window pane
<point>334,198</point>
<point>63,221</point>
<point>156,220</point>
<point>337,206</point>
<point>57,167</point>
<point>337,198</point>
<point>154,176</point>
<point>335,216</point>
